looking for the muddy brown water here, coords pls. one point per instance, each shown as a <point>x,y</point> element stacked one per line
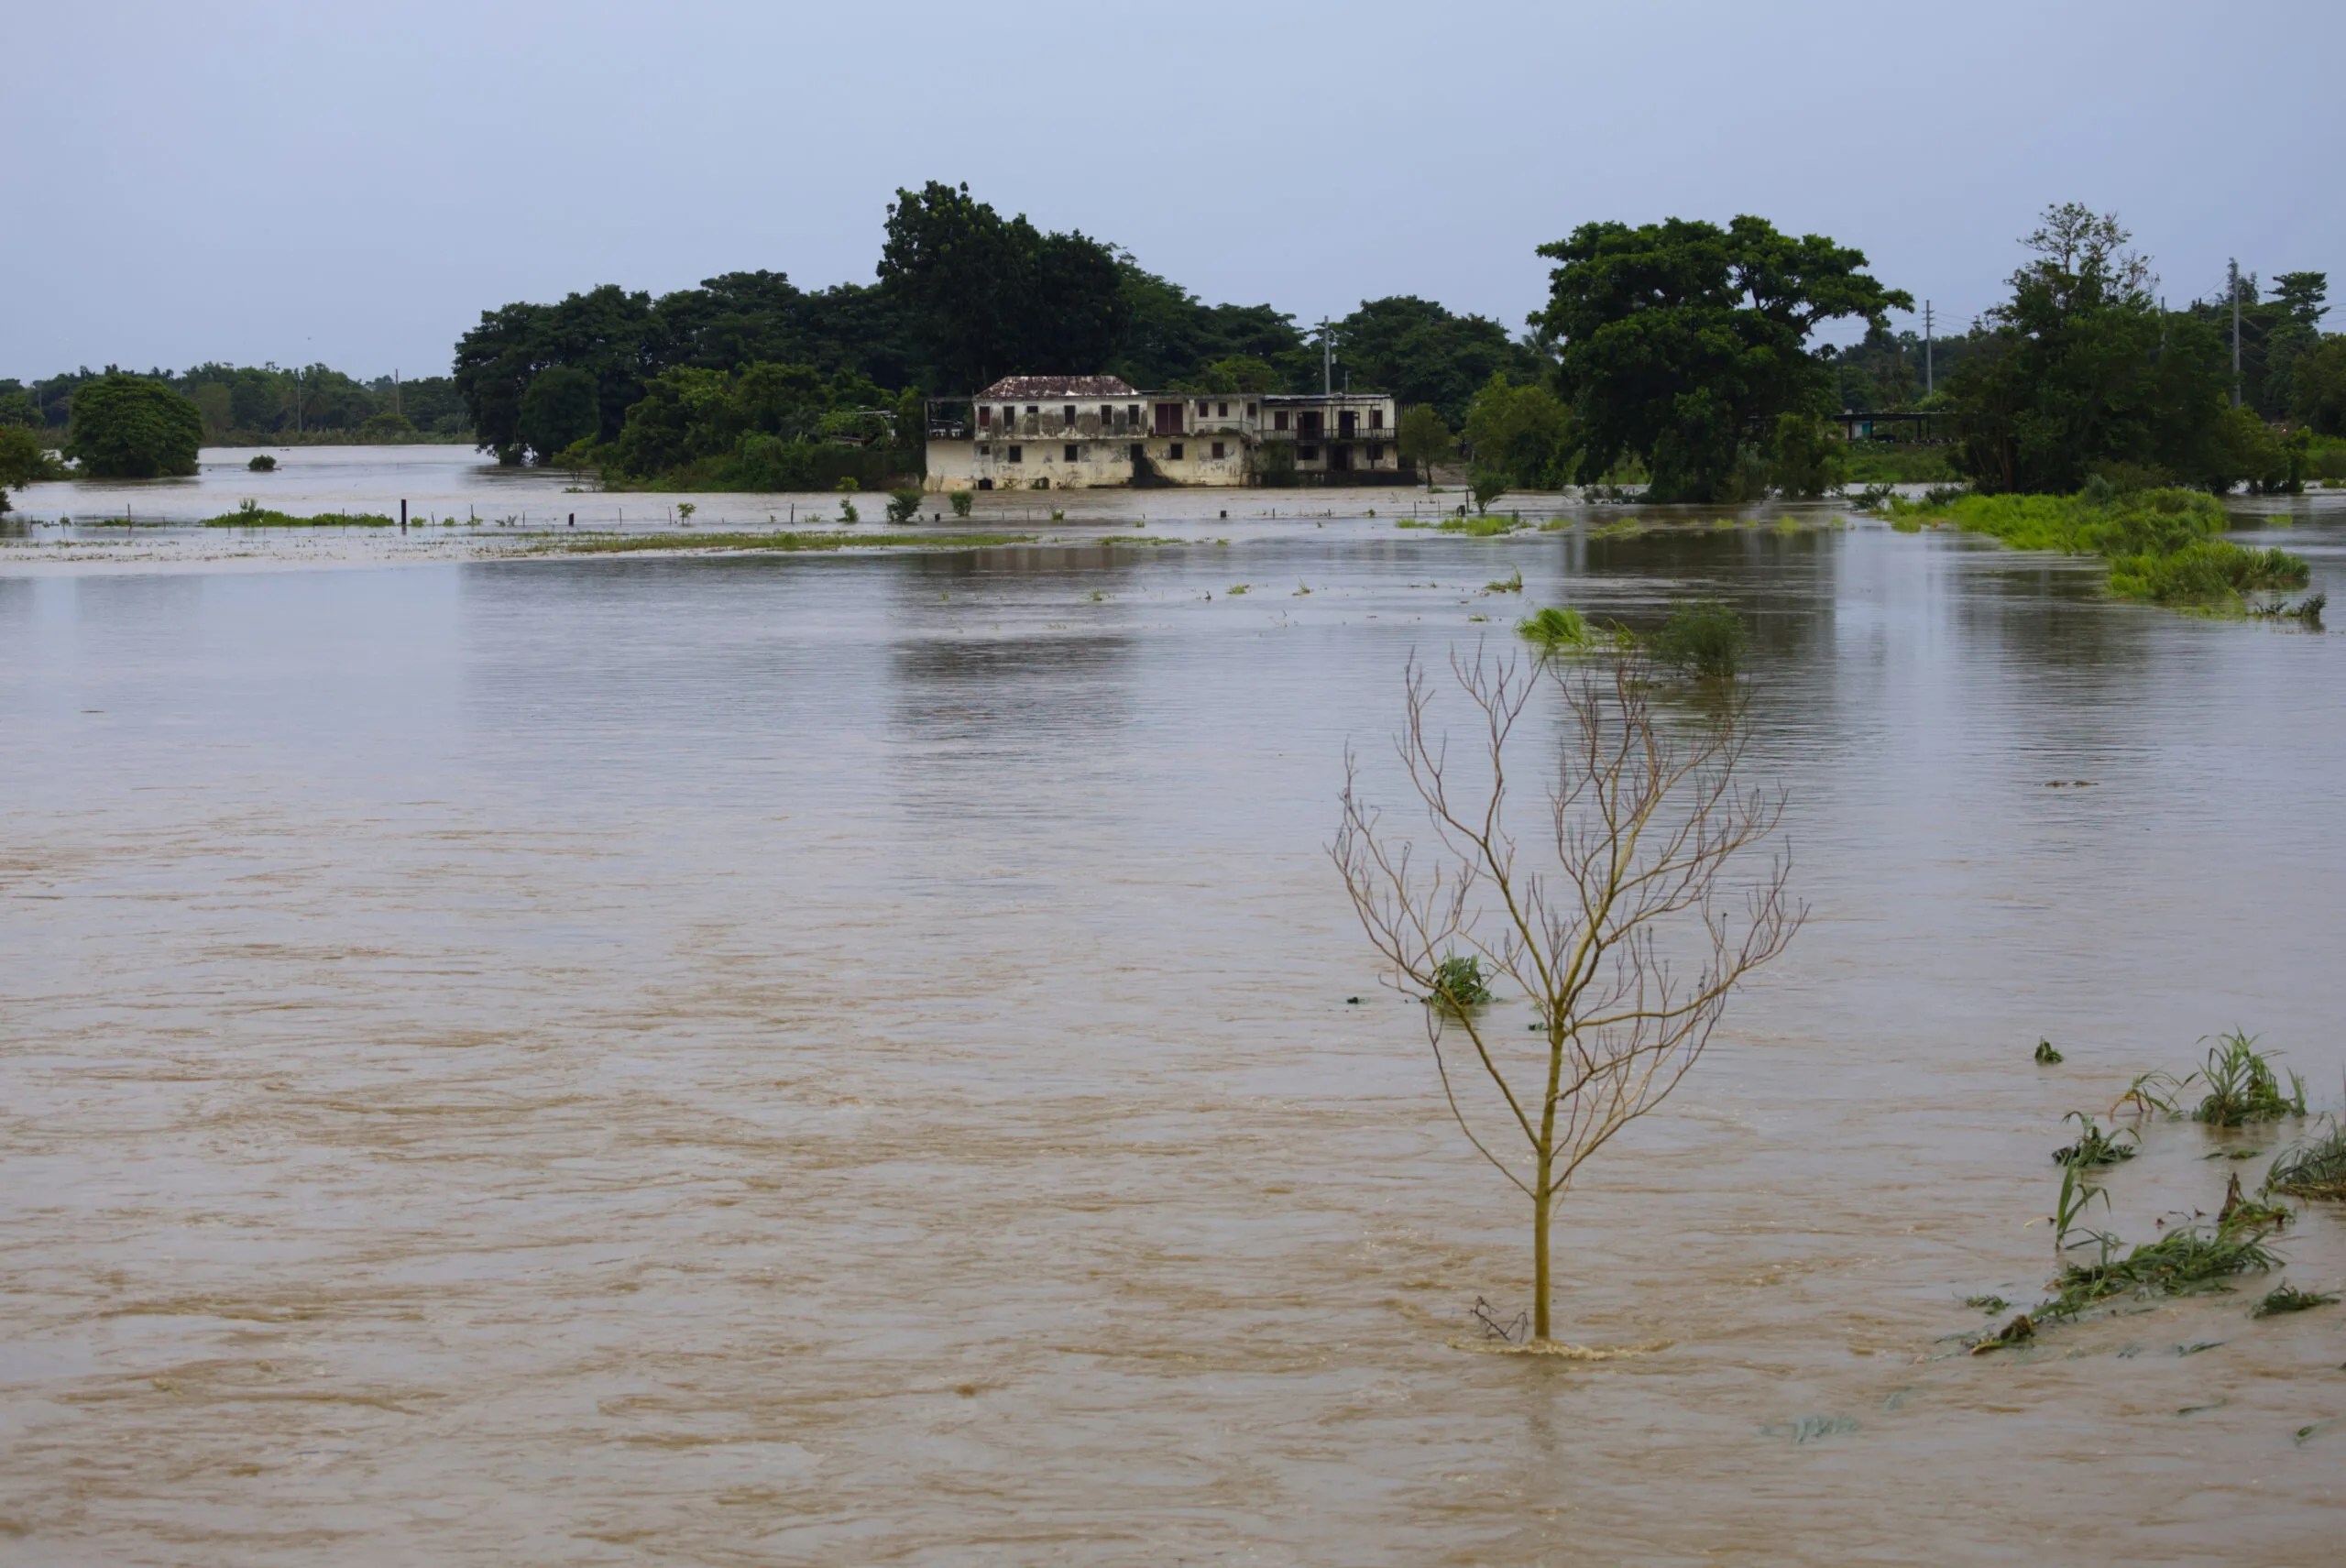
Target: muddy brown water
<point>847,1059</point>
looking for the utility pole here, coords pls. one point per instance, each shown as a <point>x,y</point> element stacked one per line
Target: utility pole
<point>2235,288</point>
<point>1326,357</point>
<point>1930,377</point>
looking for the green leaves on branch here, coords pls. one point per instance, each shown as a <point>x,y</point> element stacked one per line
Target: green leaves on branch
<point>132,427</point>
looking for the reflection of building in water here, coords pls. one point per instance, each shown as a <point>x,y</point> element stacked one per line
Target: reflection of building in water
<point>1083,432</point>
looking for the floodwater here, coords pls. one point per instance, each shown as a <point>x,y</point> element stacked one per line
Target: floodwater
<point>847,1059</point>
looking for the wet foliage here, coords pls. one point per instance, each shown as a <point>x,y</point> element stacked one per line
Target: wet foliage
<point>2095,1146</point>
<point>2047,1056</point>
<point>2183,1262</point>
<point>251,514</point>
<point>1558,631</point>
<point>2242,1087</point>
<point>2285,1298</point>
<point>2315,1168</point>
<point>1704,639</point>
<point>1459,983</point>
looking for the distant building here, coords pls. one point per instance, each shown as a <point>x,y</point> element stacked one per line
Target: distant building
<point>1073,432</point>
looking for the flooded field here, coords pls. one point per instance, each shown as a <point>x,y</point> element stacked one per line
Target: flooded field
<point>846,1059</point>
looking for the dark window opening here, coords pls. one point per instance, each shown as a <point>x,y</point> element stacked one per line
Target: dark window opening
<point>1017,455</point>
<point>1250,411</point>
<point>1070,414</point>
<point>1278,419</point>
<point>1176,452</point>
<point>1070,451</point>
<point>986,449</point>
<point>985,413</point>
<point>1376,419</point>
<point>1201,405</point>
<point>1221,411</point>
<point>1218,450</point>
<point>1302,453</point>
<point>1377,452</point>
<point>985,484</point>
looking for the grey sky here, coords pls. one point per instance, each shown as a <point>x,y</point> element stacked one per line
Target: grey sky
<point>297,182</point>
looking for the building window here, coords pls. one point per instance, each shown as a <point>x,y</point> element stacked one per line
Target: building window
<point>1201,408</point>
<point>1032,410</point>
<point>1070,414</point>
<point>1278,419</point>
<point>1107,415</point>
<point>1377,452</point>
<point>1176,452</point>
<point>985,413</point>
<point>1376,419</point>
<point>1017,455</point>
<point>984,449</point>
<point>1221,411</point>
<point>1218,451</point>
<point>1250,411</point>
<point>1302,453</point>
<point>1133,413</point>
<point>1067,453</point>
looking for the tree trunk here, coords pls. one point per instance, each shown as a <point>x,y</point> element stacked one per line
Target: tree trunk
<point>1539,1209</point>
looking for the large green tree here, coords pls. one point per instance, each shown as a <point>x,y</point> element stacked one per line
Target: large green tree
<point>606,332</point>
<point>24,460</point>
<point>1420,353</point>
<point>2080,371</point>
<point>998,296</point>
<point>1521,433</point>
<point>132,427</point>
<point>1683,343</point>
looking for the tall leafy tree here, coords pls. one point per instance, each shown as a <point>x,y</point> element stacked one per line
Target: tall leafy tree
<point>2080,370</point>
<point>605,332</point>
<point>1682,342</point>
<point>132,427</point>
<point>1421,353</point>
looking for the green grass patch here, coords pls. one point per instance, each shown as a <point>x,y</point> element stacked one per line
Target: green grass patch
<point>2162,546</point>
<point>1897,463</point>
<point>2183,1262</point>
<point>781,540</point>
<point>2283,1299</point>
<point>252,515</point>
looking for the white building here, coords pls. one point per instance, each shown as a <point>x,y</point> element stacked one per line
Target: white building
<point>1085,431</point>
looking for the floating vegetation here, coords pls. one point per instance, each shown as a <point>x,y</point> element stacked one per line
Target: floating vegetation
<point>2094,1147</point>
<point>1459,983</point>
<point>1480,527</point>
<point>2045,1055</point>
<point>2183,1262</point>
<point>1512,585</point>
<point>1237,588</point>
<point>2241,1086</point>
<point>2315,1168</point>
<point>1704,639</point>
<point>263,464</point>
<point>2152,1094</point>
<point>2283,1299</point>
<point>252,514</point>
<point>2306,610</point>
<point>1991,1304</point>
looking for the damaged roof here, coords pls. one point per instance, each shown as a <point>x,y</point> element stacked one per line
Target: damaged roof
<point>1060,387</point>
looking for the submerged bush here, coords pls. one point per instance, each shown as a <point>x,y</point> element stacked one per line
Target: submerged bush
<point>904,505</point>
<point>2183,1261</point>
<point>962,500</point>
<point>263,464</point>
<point>1702,639</point>
<point>2094,1147</point>
<point>251,514</point>
<point>1459,983</point>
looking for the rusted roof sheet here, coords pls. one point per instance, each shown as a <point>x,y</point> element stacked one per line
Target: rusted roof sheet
<point>1060,387</point>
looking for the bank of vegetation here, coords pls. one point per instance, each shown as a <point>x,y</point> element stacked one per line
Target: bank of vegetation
<point>2162,546</point>
<point>785,540</point>
<point>266,405</point>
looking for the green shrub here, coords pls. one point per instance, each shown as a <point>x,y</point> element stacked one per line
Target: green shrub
<point>131,427</point>
<point>1557,631</point>
<point>264,464</point>
<point>962,500</point>
<point>904,505</point>
<point>847,508</point>
<point>252,514</point>
<point>1704,639</point>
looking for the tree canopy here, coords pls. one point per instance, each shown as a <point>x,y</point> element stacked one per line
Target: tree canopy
<point>132,427</point>
<point>1681,343</point>
<point>2080,371</point>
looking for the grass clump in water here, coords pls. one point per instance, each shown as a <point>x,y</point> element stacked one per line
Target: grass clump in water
<point>1479,527</point>
<point>2047,1056</point>
<point>2242,1087</point>
<point>1459,983</point>
<point>2312,1170</point>
<point>2094,1147</point>
<point>2183,1262</point>
<point>251,514</point>
<point>2162,546</point>
<point>1512,585</point>
<point>1558,631</point>
<point>1705,639</point>
<point>2283,1299</point>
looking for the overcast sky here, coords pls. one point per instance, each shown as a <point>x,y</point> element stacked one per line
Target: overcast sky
<point>354,184</point>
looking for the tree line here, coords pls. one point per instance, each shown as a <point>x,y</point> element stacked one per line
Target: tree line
<point>1683,354</point>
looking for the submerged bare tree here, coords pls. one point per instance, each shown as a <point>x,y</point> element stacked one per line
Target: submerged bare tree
<point>1615,917</point>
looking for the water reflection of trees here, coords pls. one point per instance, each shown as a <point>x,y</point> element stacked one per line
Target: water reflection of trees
<point>1010,687</point>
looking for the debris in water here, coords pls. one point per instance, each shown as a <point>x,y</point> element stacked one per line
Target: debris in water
<point>1810,1429</point>
<point>2045,1055</point>
<point>2196,1347</point>
<point>2289,1299</point>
